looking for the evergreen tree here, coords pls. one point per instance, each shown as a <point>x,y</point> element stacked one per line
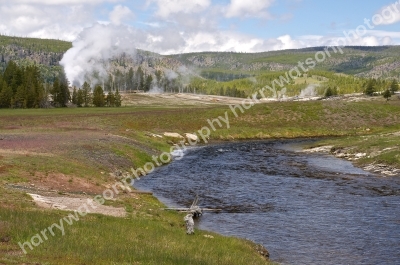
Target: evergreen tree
<point>30,100</point>
<point>129,77</point>
<point>10,72</point>
<point>19,98</point>
<point>64,96</point>
<point>13,76</point>
<point>140,78</point>
<point>387,94</point>
<point>74,98</point>
<point>328,92</point>
<point>110,100</point>
<point>158,75</point>
<point>35,95</point>
<point>370,88</point>
<point>118,99</point>
<point>79,98</point>
<point>6,95</point>
<point>394,86</point>
<point>55,91</point>
<point>98,96</point>
<point>86,94</point>
<point>147,84</point>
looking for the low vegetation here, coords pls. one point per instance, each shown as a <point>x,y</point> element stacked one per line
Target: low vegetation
<point>71,151</point>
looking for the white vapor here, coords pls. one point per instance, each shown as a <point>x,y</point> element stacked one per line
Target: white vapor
<point>93,49</point>
<point>119,14</point>
<point>309,91</point>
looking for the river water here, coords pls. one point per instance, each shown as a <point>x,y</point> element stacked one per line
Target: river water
<point>304,208</point>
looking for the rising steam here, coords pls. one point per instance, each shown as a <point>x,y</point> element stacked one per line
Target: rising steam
<point>93,50</point>
<point>309,91</point>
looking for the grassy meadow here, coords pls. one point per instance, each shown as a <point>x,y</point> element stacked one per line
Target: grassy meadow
<point>71,151</point>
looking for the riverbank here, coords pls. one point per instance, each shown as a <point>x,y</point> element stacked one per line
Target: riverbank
<point>71,152</point>
<point>378,153</point>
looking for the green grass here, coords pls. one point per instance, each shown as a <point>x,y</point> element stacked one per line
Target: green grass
<point>149,235</point>
<point>154,237</point>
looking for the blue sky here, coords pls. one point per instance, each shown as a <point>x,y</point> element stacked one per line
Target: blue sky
<point>174,26</point>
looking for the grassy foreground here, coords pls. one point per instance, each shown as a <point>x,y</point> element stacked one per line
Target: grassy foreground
<point>148,236</point>
<point>72,151</point>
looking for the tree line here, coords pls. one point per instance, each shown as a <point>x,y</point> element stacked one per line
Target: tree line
<point>23,87</point>
<point>82,97</point>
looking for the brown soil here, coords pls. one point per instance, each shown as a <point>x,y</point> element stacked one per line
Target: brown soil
<point>174,99</point>
<point>58,182</point>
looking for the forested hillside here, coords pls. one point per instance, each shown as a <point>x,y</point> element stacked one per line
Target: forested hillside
<point>31,74</point>
<point>43,53</point>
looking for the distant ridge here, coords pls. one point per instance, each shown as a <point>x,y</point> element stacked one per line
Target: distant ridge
<point>360,61</point>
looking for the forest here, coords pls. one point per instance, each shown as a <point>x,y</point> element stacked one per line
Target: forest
<point>24,87</point>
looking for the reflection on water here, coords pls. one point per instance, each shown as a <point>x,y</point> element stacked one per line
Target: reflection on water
<point>304,208</point>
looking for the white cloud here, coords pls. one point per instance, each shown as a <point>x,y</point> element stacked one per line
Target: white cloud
<point>389,14</point>
<point>56,2</point>
<point>58,22</point>
<point>120,13</point>
<point>222,41</point>
<point>166,8</point>
<point>383,33</point>
<point>254,8</point>
<point>174,26</point>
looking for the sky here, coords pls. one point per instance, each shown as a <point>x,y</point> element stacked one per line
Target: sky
<point>179,26</point>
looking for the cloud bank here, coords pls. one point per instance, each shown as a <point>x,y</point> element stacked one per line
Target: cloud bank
<point>171,26</point>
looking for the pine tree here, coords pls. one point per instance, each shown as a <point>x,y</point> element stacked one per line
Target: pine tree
<point>86,94</point>
<point>129,77</point>
<point>74,98</point>
<point>64,96</point>
<point>10,72</point>
<point>328,92</point>
<point>35,93</point>
<point>387,94</point>
<point>140,78</point>
<point>19,97</point>
<point>147,84</point>
<point>79,98</point>
<point>13,75</point>
<point>118,99</point>
<point>6,95</point>
<point>158,75</point>
<point>55,91</point>
<point>370,88</point>
<point>394,87</point>
<point>98,96</point>
<point>110,100</point>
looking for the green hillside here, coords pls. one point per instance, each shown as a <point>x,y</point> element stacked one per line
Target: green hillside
<point>44,53</point>
<point>221,73</point>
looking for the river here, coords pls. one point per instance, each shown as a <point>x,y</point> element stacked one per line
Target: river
<point>304,208</point>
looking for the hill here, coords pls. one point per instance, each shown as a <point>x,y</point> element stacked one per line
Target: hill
<point>44,53</point>
<point>220,73</point>
<point>373,62</point>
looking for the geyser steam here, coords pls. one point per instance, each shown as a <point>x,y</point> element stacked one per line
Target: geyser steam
<point>93,50</point>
